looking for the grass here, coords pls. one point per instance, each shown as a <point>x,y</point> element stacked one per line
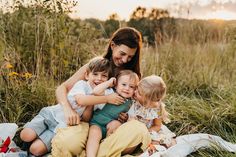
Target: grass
<point>201,81</point>
<point>201,78</point>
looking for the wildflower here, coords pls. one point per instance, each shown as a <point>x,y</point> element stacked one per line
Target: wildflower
<point>9,66</point>
<point>27,75</point>
<point>13,74</point>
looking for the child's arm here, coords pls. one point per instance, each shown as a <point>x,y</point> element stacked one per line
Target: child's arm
<point>156,126</point>
<point>100,89</point>
<point>87,100</point>
<point>87,114</point>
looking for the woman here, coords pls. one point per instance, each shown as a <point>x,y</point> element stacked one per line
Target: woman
<point>124,53</point>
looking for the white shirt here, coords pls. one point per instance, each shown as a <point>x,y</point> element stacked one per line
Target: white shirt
<point>81,87</point>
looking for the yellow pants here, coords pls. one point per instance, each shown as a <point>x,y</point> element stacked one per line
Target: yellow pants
<point>71,141</point>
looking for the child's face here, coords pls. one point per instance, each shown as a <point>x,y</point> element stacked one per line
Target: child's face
<point>95,78</point>
<point>125,87</point>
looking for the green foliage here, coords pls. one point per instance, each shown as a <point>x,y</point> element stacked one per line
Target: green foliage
<point>111,26</point>
<point>22,97</point>
<point>156,26</point>
<point>39,48</point>
<point>201,32</point>
<point>45,42</point>
<point>106,27</point>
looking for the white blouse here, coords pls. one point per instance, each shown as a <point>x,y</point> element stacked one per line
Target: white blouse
<point>143,114</point>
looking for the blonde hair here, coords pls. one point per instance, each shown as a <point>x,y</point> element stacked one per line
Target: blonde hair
<point>132,75</point>
<point>153,88</point>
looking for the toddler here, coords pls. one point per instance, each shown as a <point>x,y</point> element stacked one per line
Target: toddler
<point>149,109</point>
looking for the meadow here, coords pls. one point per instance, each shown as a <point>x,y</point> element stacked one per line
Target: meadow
<point>40,50</point>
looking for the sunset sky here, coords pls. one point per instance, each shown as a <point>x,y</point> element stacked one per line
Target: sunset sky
<point>200,9</point>
<point>203,9</point>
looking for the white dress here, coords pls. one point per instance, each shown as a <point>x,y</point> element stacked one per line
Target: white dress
<point>146,116</point>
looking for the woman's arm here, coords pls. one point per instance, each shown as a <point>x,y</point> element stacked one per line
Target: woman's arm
<point>71,116</point>
<point>156,126</point>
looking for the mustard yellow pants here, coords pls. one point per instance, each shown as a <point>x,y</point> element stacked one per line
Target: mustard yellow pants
<point>71,141</point>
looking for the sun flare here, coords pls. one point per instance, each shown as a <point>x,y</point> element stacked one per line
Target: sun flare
<point>222,15</point>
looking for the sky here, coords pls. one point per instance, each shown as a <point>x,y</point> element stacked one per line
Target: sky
<point>200,9</point>
<point>102,9</point>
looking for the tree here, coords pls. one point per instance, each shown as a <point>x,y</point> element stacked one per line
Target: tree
<point>59,6</point>
<point>114,16</point>
<point>151,23</point>
<point>139,13</point>
<point>112,24</point>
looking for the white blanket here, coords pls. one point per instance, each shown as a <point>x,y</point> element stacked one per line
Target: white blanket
<point>9,129</point>
<point>187,144</point>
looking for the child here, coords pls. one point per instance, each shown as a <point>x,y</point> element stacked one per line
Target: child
<point>125,87</point>
<point>41,129</point>
<point>149,108</point>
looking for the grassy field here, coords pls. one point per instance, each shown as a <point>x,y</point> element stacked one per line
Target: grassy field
<point>198,68</point>
<point>201,81</point>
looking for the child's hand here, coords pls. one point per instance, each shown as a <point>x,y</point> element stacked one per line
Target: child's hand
<point>114,99</point>
<point>112,81</point>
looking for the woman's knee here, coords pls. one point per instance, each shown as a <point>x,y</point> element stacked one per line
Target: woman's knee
<point>72,139</point>
<point>137,127</point>
<point>28,135</point>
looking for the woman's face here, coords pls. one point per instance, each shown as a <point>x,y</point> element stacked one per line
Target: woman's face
<point>122,54</point>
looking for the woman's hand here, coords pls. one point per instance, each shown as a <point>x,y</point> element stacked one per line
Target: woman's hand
<point>115,99</point>
<point>123,117</point>
<point>71,116</point>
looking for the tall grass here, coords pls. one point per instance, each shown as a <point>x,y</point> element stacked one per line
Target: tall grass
<point>38,50</point>
<point>201,81</point>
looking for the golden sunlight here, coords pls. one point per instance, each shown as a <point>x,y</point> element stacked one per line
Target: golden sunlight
<point>222,15</point>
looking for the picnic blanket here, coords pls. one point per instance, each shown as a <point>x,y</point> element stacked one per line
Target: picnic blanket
<point>187,144</point>
<point>8,148</point>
